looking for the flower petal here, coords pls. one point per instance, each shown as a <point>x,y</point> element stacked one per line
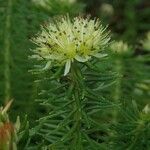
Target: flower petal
<point>82,59</point>
<point>67,67</point>
<point>98,55</point>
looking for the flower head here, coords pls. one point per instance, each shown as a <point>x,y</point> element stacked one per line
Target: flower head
<point>119,47</point>
<point>68,40</point>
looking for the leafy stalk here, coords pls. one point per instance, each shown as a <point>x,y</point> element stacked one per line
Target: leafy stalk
<point>7,51</point>
<point>77,106</point>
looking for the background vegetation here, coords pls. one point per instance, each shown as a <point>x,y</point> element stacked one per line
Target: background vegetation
<point>128,20</point>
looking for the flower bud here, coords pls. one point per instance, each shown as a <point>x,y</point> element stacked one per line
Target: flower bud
<point>7,130</point>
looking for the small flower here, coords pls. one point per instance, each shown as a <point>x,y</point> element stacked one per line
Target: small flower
<point>119,47</point>
<point>68,40</point>
<point>146,42</point>
<point>107,9</point>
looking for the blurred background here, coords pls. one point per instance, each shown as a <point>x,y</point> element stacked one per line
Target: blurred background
<point>20,20</point>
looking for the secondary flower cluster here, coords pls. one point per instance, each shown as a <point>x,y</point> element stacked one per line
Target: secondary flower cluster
<point>67,40</point>
<point>119,47</point>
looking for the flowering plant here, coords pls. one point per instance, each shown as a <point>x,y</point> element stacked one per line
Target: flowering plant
<point>78,45</point>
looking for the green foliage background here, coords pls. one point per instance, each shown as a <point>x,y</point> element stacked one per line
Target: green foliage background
<point>20,20</point>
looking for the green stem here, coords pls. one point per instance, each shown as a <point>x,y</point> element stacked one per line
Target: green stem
<point>7,51</point>
<point>117,90</point>
<point>77,106</point>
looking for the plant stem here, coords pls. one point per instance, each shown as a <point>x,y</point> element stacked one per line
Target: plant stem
<point>117,91</point>
<point>77,106</point>
<point>7,51</point>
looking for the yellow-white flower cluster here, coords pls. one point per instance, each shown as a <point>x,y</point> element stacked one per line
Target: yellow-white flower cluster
<point>66,40</point>
<point>119,47</point>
